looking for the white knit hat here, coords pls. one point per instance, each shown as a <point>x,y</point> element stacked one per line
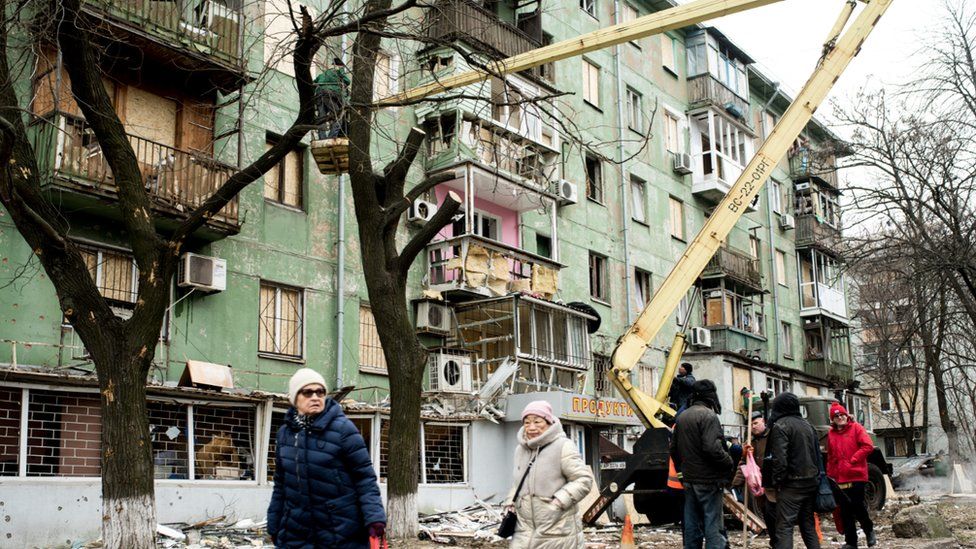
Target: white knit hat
<point>301,378</point>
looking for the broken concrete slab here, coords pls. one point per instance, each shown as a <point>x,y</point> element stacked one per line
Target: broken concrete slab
<point>920,521</point>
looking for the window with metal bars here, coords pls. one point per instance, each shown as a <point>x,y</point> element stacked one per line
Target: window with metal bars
<point>115,274</point>
<point>281,325</point>
<point>371,357</point>
<point>443,448</point>
<point>168,433</point>
<point>64,432</point>
<point>223,442</point>
<point>602,386</point>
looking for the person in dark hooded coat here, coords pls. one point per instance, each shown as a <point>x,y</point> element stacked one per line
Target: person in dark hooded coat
<point>699,453</point>
<point>325,491</point>
<point>792,467</point>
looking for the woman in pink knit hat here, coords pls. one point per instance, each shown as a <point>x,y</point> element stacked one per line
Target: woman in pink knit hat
<point>553,478</point>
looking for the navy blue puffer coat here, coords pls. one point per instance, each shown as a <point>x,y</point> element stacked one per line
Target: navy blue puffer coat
<point>325,491</point>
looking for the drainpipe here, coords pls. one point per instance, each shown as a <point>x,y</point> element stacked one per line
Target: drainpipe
<point>777,326</point>
<point>341,267</point>
<point>624,204</point>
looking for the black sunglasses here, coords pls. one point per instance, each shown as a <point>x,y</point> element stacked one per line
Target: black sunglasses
<point>309,393</point>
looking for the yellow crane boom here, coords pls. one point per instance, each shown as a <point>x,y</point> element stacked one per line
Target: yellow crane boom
<point>839,50</point>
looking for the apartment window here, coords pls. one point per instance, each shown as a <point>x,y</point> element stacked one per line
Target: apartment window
<point>589,6</point>
<point>594,178</point>
<point>543,245</point>
<point>768,123</point>
<point>753,247</point>
<point>781,267</point>
<point>681,313</point>
<point>385,76</point>
<point>281,323</point>
<point>629,14</point>
<point>677,217</point>
<point>371,357</point>
<point>642,288</point>
<point>115,274</point>
<point>672,134</point>
<point>285,181</point>
<point>599,284</point>
<point>485,225</point>
<point>638,195</point>
<point>885,400</point>
<point>776,189</point>
<point>669,53</point>
<point>442,452</point>
<point>635,114</point>
<point>786,332</point>
<point>591,83</point>
<point>777,386</point>
<point>728,308</point>
<point>602,386</point>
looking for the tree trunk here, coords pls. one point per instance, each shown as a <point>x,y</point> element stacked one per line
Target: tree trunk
<point>128,496</point>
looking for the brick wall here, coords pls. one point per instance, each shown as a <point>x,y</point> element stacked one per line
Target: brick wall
<point>9,431</point>
<point>64,432</point>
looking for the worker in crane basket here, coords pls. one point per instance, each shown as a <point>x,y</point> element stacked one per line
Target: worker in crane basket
<point>331,99</point>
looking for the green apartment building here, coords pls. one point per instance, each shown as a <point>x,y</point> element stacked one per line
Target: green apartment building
<point>523,297</point>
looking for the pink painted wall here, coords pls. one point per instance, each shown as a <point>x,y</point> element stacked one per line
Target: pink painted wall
<point>509,218</point>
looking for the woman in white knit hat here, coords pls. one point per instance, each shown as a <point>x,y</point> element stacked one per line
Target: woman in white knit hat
<point>553,478</point>
<point>325,492</point>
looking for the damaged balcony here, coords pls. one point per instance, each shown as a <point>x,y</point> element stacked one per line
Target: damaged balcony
<point>469,22</point>
<point>206,34</point>
<point>528,343</point>
<point>734,318</point>
<point>720,148</point>
<point>705,90</point>
<point>737,266</point>
<point>820,167</point>
<point>821,286</point>
<point>813,232</point>
<point>717,73</point>
<point>827,352</point>
<point>178,181</point>
<point>474,266</point>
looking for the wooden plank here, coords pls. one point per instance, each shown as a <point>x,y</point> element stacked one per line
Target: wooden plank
<point>750,519</point>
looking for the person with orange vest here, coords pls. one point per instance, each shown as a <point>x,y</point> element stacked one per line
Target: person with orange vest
<point>848,448</point>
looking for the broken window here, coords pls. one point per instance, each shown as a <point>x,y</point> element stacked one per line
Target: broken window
<point>443,453</point>
<point>280,326</point>
<point>365,427</point>
<point>441,131</point>
<point>676,210</point>
<point>9,431</point>
<point>277,420</point>
<point>591,82</point>
<point>64,432</point>
<point>726,308</point>
<point>223,443</point>
<point>643,290</point>
<point>167,431</point>
<point>599,284</point>
<point>602,386</point>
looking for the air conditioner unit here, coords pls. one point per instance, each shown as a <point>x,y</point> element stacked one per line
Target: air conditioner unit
<point>805,186</point>
<point>451,373</point>
<point>787,221</point>
<point>203,273</point>
<point>421,212</point>
<point>433,317</point>
<point>701,337</point>
<point>681,163</point>
<point>917,434</point>
<point>567,191</point>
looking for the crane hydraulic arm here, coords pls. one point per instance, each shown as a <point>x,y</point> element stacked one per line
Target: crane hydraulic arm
<point>839,50</point>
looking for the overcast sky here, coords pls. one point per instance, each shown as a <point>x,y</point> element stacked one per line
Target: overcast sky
<point>785,39</point>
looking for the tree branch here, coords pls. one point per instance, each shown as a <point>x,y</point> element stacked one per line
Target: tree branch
<point>393,214</point>
<point>396,171</point>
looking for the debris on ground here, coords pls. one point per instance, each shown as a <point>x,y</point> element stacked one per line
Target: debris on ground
<point>920,521</point>
<point>475,523</point>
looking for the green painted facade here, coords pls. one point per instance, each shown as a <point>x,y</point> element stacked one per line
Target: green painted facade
<point>297,247</point>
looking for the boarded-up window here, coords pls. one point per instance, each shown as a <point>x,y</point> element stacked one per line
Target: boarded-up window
<point>669,48</point>
<point>386,76</point>
<point>197,127</point>
<point>676,209</point>
<point>280,324</point>
<point>741,378</point>
<point>371,358</point>
<point>780,268</point>
<point>151,117</point>
<point>672,133</point>
<point>114,273</point>
<point>284,183</point>
<point>591,83</point>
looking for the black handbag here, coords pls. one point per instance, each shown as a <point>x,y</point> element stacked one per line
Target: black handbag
<point>507,528</point>
<point>825,502</point>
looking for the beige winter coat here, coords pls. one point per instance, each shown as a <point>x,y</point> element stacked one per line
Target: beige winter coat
<point>547,511</point>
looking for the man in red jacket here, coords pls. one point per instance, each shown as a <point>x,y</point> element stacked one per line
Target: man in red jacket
<point>848,448</point>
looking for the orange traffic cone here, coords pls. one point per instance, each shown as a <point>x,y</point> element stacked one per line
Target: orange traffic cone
<point>627,535</point>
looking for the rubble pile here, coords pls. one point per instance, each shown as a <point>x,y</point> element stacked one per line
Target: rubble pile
<point>473,526</point>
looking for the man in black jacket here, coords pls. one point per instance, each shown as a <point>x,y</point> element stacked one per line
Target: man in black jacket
<point>681,388</point>
<point>793,465</point>
<point>698,451</point>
